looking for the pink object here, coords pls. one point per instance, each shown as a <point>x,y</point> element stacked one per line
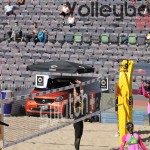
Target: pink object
<point>138,146</point>
<point>133,2</point>
<point>148,108</point>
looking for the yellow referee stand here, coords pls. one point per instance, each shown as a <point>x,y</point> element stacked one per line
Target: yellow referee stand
<point>124,92</point>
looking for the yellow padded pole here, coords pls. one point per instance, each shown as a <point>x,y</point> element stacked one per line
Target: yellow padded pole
<point>124,92</point>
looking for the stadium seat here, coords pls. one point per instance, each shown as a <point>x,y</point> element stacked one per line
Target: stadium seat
<point>105,38</point>
<point>22,67</point>
<point>113,38</point>
<point>83,29</point>
<point>4,67</point>
<point>36,56</point>
<point>45,56</point>
<point>108,52</point>
<point>103,47</point>
<point>25,74</point>
<point>60,37</point>
<point>113,47</point>
<point>69,37</point>
<point>86,37</point>
<point>78,37</point>
<point>132,38</point>
<point>100,30</point>
<point>52,37</point>
<point>103,57</point>
<point>118,30</point>
<point>1,54</point>
<point>127,30</point>
<point>132,24</point>
<point>70,51</point>
<point>19,61</point>
<point>141,39</point>
<point>64,57</point>
<point>15,73</point>
<point>108,64</point>
<point>123,24</point>
<point>89,52</point>
<point>109,30</point>
<point>123,38</point>
<point>96,24</point>
<point>80,51</point>
<point>29,61</point>
<point>88,63</point>
<point>95,37</point>
<point>39,61</point>
<point>74,57</point>
<point>55,57</point>
<point>66,29</point>
<point>74,29</point>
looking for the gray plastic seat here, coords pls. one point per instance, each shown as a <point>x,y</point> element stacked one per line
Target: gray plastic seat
<point>83,29</point>
<point>118,30</point>
<point>15,73</point>
<point>95,37</point>
<point>52,37</point>
<point>113,38</point>
<point>22,67</point>
<point>96,24</point>
<point>69,37</point>
<point>91,29</point>
<point>88,63</point>
<point>25,74</point>
<point>64,57</point>
<point>70,51</point>
<point>86,37</point>
<point>8,55</point>
<point>60,37</point>
<point>74,57</point>
<point>100,30</point>
<point>29,61</point>
<point>127,30</point>
<point>26,56</point>
<point>141,39</point>
<point>45,56</point>
<point>39,61</point>
<point>36,56</point>
<point>83,58</point>
<point>55,56</point>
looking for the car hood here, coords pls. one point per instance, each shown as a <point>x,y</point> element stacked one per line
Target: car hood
<point>50,95</point>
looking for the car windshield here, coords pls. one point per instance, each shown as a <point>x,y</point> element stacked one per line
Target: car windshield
<point>56,83</point>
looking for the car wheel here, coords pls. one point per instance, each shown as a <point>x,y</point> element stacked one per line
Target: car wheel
<point>28,114</point>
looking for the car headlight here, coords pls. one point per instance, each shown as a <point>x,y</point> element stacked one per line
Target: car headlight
<point>59,98</point>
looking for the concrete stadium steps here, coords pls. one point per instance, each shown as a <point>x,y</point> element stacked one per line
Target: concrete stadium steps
<point>139,117</point>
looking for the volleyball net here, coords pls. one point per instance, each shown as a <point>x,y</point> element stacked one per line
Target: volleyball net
<point>48,117</point>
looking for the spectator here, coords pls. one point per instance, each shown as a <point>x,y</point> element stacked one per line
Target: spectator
<point>146,93</point>
<point>9,9</point>
<point>20,2</point>
<point>71,20</point>
<point>33,36</point>
<point>79,111</point>
<point>65,10</point>
<point>42,36</point>
<point>145,8</point>
<point>133,140</point>
<point>148,38</point>
<point>15,32</point>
